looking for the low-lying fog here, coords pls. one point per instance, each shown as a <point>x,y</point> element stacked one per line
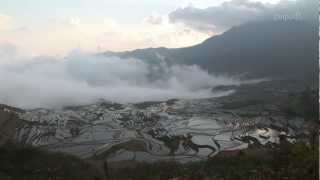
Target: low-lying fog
<point>82,78</point>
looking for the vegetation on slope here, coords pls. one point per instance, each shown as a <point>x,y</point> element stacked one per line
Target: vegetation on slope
<point>291,161</point>
<point>29,163</point>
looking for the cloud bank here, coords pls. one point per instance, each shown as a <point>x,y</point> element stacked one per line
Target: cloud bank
<point>235,12</point>
<point>82,78</point>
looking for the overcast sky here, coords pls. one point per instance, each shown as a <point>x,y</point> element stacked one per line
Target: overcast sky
<point>56,27</point>
<point>122,10</point>
<point>46,47</point>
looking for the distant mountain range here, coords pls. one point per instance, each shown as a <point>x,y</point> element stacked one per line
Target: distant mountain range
<point>270,49</point>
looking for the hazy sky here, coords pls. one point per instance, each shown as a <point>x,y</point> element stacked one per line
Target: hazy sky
<point>46,47</point>
<point>123,10</point>
<point>56,27</point>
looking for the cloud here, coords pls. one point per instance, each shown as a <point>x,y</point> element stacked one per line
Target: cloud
<point>59,37</point>
<point>81,78</point>
<point>6,22</point>
<point>235,12</point>
<point>154,19</point>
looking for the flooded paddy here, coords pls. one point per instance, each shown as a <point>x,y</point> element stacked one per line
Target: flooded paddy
<point>185,130</point>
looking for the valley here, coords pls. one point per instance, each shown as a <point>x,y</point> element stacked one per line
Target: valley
<point>179,129</point>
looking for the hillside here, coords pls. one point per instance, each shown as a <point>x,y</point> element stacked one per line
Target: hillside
<point>272,49</point>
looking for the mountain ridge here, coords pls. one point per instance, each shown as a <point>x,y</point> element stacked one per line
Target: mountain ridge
<point>267,49</point>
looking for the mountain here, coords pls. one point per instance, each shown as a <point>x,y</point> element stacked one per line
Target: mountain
<point>270,49</point>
